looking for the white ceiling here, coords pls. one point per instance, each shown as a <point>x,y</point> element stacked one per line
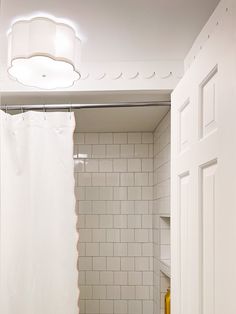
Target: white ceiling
<point>122,30</point>
<point>114,31</point>
<point>119,119</point>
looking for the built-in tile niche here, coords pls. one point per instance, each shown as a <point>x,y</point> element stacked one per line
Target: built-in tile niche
<point>165,254</point>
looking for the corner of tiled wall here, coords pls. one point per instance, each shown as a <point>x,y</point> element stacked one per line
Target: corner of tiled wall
<point>161,208</point>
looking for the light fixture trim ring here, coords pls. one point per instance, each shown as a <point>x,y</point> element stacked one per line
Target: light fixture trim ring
<point>47,56</point>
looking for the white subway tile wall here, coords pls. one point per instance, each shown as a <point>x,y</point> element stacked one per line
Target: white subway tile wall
<point>114,190</point>
<point>161,206</point>
<point>122,185</point>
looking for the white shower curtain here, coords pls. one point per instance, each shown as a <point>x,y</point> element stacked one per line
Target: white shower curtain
<point>37,214</point>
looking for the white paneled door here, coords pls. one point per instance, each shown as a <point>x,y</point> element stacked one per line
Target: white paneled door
<point>204,178</point>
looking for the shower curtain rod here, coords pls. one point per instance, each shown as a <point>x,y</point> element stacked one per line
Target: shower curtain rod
<point>84,106</point>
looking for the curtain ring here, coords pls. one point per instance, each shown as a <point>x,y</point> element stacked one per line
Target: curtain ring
<point>22,112</point>
<point>70,110</point>
<point>44,109</point>
<point>6,111</point>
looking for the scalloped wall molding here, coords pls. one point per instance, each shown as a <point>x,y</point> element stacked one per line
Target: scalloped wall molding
<point>127,76</point>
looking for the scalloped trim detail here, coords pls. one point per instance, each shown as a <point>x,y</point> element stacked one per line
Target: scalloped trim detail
<point>152,75</point>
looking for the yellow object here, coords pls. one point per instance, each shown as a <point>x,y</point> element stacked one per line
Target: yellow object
<point>167,302</point>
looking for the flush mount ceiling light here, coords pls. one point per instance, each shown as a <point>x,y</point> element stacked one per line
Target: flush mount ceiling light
<point>43,53</point>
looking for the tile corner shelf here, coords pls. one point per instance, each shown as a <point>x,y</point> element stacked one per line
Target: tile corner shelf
<point>165,216</point>
<point>165,267</point>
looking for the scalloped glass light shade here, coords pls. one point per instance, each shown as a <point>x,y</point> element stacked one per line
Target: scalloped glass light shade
<point>43,54</point>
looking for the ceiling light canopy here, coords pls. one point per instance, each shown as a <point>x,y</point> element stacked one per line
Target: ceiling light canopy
<point>43,53</point>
